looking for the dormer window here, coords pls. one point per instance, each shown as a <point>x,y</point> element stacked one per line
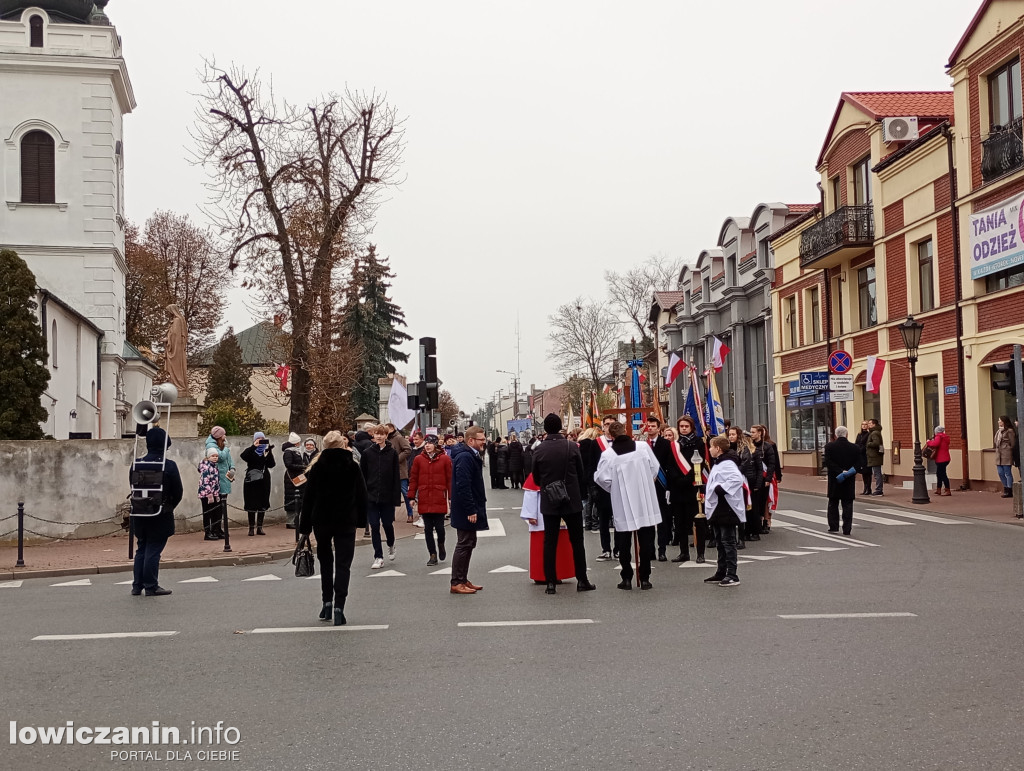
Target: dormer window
<point>35,32</point>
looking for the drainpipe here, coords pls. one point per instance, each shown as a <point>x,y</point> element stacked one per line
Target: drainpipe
<point>99,388</point>
<point>957,299</point>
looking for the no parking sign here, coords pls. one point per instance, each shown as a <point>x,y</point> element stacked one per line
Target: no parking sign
<point>839,362</point>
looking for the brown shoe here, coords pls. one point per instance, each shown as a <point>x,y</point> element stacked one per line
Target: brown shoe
<point>473,586</point>
<point>945,491</point>
<point>462,589</point>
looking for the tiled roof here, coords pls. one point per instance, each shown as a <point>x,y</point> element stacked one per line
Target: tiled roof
<point>800,208</point>
<point>669,299</point>
<point>260,346</point>
<point>886,104</point>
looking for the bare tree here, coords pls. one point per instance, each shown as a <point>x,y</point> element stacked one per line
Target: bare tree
<point>449,409</point>
<point>630,293</point>
<point>288,184</point>
<point>583,336</point>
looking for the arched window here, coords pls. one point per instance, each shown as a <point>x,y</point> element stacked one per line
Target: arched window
<point>35,31</point>
<point>37,168</point>
<point>53,343</point>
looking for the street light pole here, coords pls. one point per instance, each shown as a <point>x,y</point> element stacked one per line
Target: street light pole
<point>911,333</point>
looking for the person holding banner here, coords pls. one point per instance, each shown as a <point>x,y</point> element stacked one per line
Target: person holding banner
<point>688,511</point>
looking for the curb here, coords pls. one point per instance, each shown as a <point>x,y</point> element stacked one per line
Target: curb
<point>911,507</point>
<point>198,562</point>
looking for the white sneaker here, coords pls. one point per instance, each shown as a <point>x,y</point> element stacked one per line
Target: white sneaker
<point>418,522</point>
<point>377,564</point>
<point>391,552</point>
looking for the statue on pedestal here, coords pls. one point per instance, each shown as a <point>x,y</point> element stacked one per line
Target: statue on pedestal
<point>175,360</point>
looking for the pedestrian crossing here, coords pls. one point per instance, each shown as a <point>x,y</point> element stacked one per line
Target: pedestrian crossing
<point>894,517</point>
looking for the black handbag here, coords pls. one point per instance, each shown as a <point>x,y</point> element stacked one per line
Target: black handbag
<point>302,558</point>
<point>555,493</point>
<point>254,475</point>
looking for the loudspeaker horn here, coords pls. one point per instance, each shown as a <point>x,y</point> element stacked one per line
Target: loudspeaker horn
<point>144,412</point>
<point>165,393</point>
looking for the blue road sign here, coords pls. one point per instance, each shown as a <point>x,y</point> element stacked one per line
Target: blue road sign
<point>952,390</point>
<point>839,362</point>
<point>813,381</point>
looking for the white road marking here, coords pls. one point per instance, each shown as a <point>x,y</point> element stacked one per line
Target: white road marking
<point>825,548</point>
<point>79,582</point>
<point>202,580</point>
<point>106,636</point>
<point>10,584</point>
<point>267,577</point>
<point>845,539</point>
<point>496,530</point>
<point>791,553</point>
<point>877,520</point>
<point>495,509</point>
<point>818,520</point>
<point>848,615</point>
<point>507,569</point>
<point>310,578</point>
<point>921,517</point>
<point>760,558</point>
<point>385,574</point>
<point>124,583</point>
<point>442,572</point>
<point>346,628</point>
<point>543,622</point>
<point>692,564</point>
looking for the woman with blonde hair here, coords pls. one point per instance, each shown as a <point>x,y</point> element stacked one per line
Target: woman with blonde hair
<point>333,506</point>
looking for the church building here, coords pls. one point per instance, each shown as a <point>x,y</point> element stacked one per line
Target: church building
<point>64,92</point>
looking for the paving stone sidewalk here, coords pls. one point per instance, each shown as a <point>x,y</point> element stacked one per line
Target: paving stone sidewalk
<point>970,503</point>
<point>109,554</point>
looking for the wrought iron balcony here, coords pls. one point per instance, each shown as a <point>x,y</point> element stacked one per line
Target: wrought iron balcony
<point>1002,152</point>
<point>846,231</point>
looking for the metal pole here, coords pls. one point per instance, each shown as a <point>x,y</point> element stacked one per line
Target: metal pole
<point>920,483</point>
<point>1018,500</point>
<point>131,537</point>
<point>224,523</point>
<point>21,535</point>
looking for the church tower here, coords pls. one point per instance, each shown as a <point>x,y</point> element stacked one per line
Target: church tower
<point>64,92</point>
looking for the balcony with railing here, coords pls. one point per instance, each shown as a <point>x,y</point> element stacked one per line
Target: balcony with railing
<point>845,233</point>
<point>1002,152</point>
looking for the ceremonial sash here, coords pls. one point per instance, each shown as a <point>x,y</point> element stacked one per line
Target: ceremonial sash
<point>603,443</point>
<point>684,466</point>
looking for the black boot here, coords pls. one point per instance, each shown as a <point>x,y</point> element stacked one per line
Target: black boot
<point>339,617</point>
<point>1007,492</point>
<point>259,523</point>
<point>252,522</point>
<point>550,589</point>
<point>326,612</point>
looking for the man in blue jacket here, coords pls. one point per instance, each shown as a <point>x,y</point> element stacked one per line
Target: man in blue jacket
<point>468,506</point>
<point>152,532</point>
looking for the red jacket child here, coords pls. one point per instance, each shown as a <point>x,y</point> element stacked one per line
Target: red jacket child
<point>430,482</point>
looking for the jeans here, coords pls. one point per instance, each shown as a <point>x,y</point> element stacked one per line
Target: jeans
<point>941,477</point>
<point>405,497</point>
<point>334,552</point>
<point>433,523</point>
<point>725,537</point>
<point>147,563</point>
<point>1005,475</point>
<point>381,513</point>
<point>833,514</point>
<point>876,475</point>
<point>624,543</point>
<point>552,526</point>
<point>463,553</point>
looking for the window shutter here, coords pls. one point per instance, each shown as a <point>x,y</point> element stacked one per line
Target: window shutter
<point>38,168</point>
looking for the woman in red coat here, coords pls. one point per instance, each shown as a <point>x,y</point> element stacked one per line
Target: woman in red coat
<point>430,483</point>
<point>940,444</point>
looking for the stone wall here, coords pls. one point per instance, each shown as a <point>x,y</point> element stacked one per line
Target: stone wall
<point>76,481</point>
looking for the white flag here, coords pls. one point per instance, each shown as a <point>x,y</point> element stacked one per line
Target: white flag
<point>398,405</point>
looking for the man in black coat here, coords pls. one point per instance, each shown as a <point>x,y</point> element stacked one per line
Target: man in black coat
<point>841,457</point>
<point>379,465</point>
<point>663,452</point>
<point>558,460</point>
<point>152,532</point>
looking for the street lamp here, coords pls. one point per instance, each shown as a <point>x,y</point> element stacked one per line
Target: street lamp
<point>911,330</point>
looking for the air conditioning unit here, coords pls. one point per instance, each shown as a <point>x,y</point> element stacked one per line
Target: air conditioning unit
<point>899,129</point>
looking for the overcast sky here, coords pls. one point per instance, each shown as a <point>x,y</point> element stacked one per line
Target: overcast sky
<point>546,141</point>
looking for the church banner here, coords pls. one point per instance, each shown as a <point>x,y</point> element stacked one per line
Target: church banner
<point>995,238</point>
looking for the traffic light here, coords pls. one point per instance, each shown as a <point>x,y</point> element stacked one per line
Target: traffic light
<point>1010,384</point>
<point>428,359</point>
<point>413,398</point>
<point>433,398</point>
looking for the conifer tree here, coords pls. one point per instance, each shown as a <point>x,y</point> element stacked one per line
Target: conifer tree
<point>373,321</point>
<point>229,375</point>
<point>23,354</point>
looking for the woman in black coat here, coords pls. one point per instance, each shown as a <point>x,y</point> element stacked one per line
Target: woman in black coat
<point>501,463</point>
<point>333,506</point>
<point>259,459</point>
<point>515,463</point>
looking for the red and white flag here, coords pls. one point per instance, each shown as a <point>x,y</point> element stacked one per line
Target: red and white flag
<point>718,355</point>
<point>282,375</point>
<point>876,368</point>
<point>607,388</point>
<point>676,367</point>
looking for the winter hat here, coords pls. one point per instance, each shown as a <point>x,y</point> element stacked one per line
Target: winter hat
<point>332,440</point>
<point>155,439</point>
<point>211,452</point>
<point>261,449</point>
<point>294,438</point>
<point>529,484</point>
<point>217,432</point>
<point>552,423</point>
<point>430,439</point>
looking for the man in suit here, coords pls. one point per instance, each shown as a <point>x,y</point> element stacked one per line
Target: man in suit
<point>468,505</point>
<point>842,457</point>
<point>558,459</point>
<point>663,452</point>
